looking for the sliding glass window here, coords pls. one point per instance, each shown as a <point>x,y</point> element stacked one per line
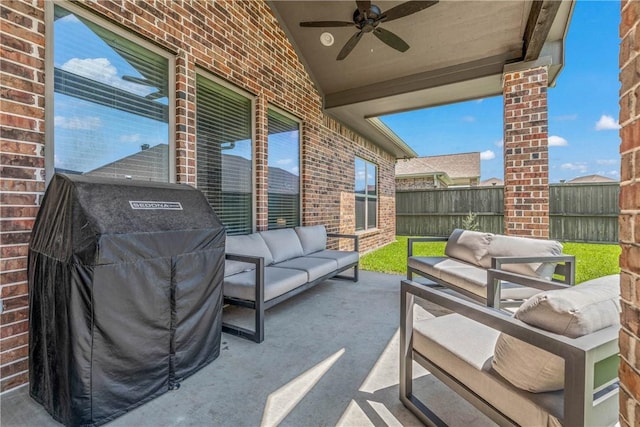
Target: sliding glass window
<point>112,107</point>
<point>284,170</point>
<point>225,152</point>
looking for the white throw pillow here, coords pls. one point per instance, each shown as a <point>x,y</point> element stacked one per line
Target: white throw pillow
<point>573,312</point>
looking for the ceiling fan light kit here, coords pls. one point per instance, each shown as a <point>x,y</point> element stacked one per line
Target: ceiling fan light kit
<point>366,19</point>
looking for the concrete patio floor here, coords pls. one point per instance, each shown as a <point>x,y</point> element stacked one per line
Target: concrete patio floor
<point>330,357</point>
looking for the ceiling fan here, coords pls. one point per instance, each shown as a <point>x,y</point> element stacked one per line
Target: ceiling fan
<point>366,19</point>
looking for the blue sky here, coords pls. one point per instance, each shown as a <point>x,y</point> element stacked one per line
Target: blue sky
<point>583,108</point>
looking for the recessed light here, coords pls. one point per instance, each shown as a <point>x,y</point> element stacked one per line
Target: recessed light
<point>327,39</point>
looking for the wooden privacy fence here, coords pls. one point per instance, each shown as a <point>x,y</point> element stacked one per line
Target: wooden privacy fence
<point>577,212</point>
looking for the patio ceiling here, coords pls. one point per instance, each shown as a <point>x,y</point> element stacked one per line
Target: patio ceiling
<point>458,51</point>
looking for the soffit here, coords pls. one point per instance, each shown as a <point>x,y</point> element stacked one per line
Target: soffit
<point>458,51</point>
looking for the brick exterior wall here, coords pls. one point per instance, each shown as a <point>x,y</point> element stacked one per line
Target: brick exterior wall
<point>239,41</point>
<point>408,184</point>
<point>629,218</point>
<point>526,156</point>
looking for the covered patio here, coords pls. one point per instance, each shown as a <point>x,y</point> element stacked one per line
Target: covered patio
<point>330,357</point>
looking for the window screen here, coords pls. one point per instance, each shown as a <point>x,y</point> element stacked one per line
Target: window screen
<point>224,153</point>
<point>366,190</point>
<point>111,114</point>
<point>284,171</point>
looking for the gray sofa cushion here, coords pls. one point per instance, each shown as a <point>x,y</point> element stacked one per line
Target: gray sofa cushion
<point>284,244</point>
<point>469,246</point>
<point>573,312</point>
<point>500,245</point>
<point>277,281</point>
<point>464,348</point>
<point>250,244</point>
<point>314,267</point>
<point>466,276</point>
<point>312,238</point>
<point>343,258</point>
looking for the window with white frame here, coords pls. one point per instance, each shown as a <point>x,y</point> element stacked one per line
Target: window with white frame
<point>112,109</point>
<point>224,152</point>
<point>284,170</point>
<point>366,189</point>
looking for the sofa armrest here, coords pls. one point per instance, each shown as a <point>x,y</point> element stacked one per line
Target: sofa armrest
<point>584,374</point>
<point>496,277</point>
<point>413,240</point>
<point>354,237</point>
<point>259,270</point>
<point>565,264</point>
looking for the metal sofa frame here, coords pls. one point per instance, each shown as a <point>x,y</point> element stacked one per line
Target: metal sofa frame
<point>260,305</point>
<point>591,361</point>
<point>565,268</point>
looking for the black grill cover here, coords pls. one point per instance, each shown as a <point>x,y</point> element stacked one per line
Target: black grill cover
<point>125,289</point>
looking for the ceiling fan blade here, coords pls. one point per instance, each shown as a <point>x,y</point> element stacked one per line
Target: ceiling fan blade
<point>406,8</point>
<point>327,24</point>
<point>348,47</point>
<point>363,5</point>
<point>391,39</point>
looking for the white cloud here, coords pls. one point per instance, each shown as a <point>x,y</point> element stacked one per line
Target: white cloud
<point>284,161</point>
<point>130,138</point>
<point>499,143</point>
<point>557,141</point>
<point>607,161</point>
<point>101,70</point>
<point>614,173</point>
<point>578,166</point>
<point>607,123</point>
<point>468,119</point>
<point>487,155</point>
<point>77,123</point>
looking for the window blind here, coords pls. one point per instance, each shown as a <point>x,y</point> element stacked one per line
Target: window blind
<point>111,115</point>
<point>224,153</point>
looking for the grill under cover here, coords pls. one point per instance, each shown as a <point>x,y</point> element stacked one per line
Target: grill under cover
<point>125,290</point>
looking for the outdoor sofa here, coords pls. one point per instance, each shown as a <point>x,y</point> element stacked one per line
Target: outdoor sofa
<point>265,268</point>
<point>469,254</point>
<point>554,362</point>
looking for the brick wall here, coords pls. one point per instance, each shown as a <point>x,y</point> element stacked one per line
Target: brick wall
<point>526,163</point>
<point>242,43</point>
<point>629,218</point>
<point>408,184</point>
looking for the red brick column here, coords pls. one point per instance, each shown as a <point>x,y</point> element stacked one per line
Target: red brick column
<point>526,159</point>
<point>629,218</point>
<point>22,172</point>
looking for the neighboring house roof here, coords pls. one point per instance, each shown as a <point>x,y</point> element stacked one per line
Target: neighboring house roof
<point>491,181</point>
<point>456,168</point>
<point>589,179</point>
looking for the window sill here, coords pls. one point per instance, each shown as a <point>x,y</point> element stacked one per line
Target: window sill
<point>369,232</point>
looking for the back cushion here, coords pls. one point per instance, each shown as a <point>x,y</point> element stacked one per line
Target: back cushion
<point>469,246</point>
<point>283,244</point>
<point>573,312</point>
<point>250,244</point>
<point>313,238</point>
<point>523,247</point>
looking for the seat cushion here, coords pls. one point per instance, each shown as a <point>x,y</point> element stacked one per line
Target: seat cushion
<point>463,348</point>
<point>312,238</point>
<point>343,258</point>
<point>573,312</point>
<point>314,267</point>
<point>284,244</point>
<point>468,246</point>
<point>277,281</point>
<point>250,244</point>
<point>466,276</point>
<point>500,245</point>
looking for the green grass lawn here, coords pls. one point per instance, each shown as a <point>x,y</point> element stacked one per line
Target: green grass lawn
<point>592,260</point>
